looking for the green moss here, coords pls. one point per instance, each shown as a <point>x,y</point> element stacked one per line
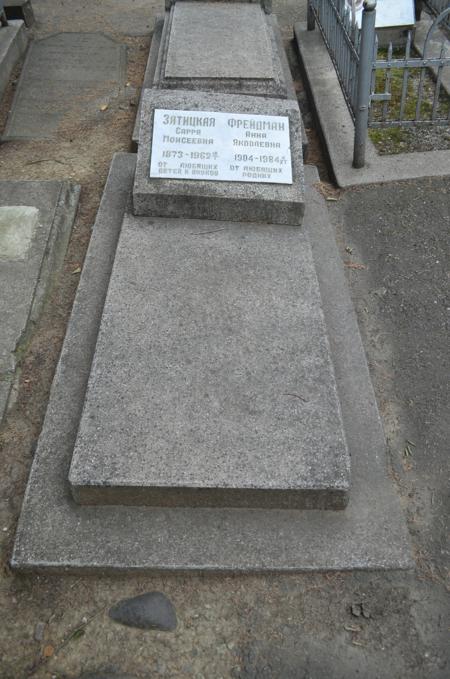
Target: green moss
<point>394,139</point>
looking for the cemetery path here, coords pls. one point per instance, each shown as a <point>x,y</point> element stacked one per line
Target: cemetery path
<point>328,626</point>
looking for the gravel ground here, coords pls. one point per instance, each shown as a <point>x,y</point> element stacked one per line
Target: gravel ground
<point>329,626</point>
<point>390,141</point>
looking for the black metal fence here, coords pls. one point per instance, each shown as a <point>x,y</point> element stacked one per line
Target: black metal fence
<point>390,87</point>
<point>437,7</point>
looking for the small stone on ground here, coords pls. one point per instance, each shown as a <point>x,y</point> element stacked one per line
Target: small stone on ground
<point>146,611</point>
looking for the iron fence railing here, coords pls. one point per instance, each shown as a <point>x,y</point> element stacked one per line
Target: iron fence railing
<point>342,39</point>
<point>408,91</point>
<point>437,7</point>
<point>384,87</point>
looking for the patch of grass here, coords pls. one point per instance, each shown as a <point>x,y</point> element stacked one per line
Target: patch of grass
<point>395,139</point>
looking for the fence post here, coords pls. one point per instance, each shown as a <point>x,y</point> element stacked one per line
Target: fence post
<point>310,18</point>
<point>364,80</point>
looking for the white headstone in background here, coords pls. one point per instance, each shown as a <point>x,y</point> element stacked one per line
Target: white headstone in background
<point>232,147</point>
<point>389,13</point>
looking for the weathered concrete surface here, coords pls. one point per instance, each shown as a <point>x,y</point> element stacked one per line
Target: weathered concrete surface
<point>36,219</point>
<point>337,129</point>
<point>218,200</point>
<point>13,44</point>
<point>60,73</point>
<point>239,39</point>
<point>265,4</point>
<point>56,534</point>
<point>212,382</point>
<point>233,35</point>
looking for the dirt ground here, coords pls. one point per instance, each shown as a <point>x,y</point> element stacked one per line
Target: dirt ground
<point>248,627</point>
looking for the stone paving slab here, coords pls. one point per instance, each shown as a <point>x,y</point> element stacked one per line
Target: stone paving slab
<point>64,72</point>
<point>56,534</point>
<point>219,200</point>
<point>239,39</point>
<point>212,382</point>
<point>36,219</point>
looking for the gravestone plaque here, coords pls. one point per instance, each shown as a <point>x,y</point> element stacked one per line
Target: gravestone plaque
<point>224,156</point>
<point>219,146</point>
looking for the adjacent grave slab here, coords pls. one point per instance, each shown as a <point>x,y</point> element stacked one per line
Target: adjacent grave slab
<point>56,534</point>
<point>66,72</point>
<point>265,4</point>
<point>13,45</point>
<point>212,383</point>
<point>225,47</point>
<point>222,200</point>
<point>36,219</point>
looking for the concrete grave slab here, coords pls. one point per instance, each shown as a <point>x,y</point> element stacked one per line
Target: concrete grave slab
<point>36,219</point>
<point>13,45</point>
<point>223,47</point>
<point>64,72</point>
<point>212,382</point>
<point>265,4</point>
<point>222,200</point>
<point>56,534</point>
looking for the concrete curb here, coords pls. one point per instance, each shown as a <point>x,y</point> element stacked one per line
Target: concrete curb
<point>337,127</point>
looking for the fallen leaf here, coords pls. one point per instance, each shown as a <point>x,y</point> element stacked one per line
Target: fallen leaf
<point>77,270</point>
<point>352,628</point>
<point>103,107</point>
<point>48,651</point>
<point>354,265</point>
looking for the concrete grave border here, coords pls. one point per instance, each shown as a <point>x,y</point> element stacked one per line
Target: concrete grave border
<point>55,534</point>
<point>57,202</point>
<point>13,45</point>
<point>337,126</point>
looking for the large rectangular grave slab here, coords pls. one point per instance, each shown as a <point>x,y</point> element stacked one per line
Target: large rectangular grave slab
<point>212,382</point>
<point>36,219</point>
<point>258,158</point>
<point>65,72</point>
<point>57,535</point>
<point>222,46</point>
